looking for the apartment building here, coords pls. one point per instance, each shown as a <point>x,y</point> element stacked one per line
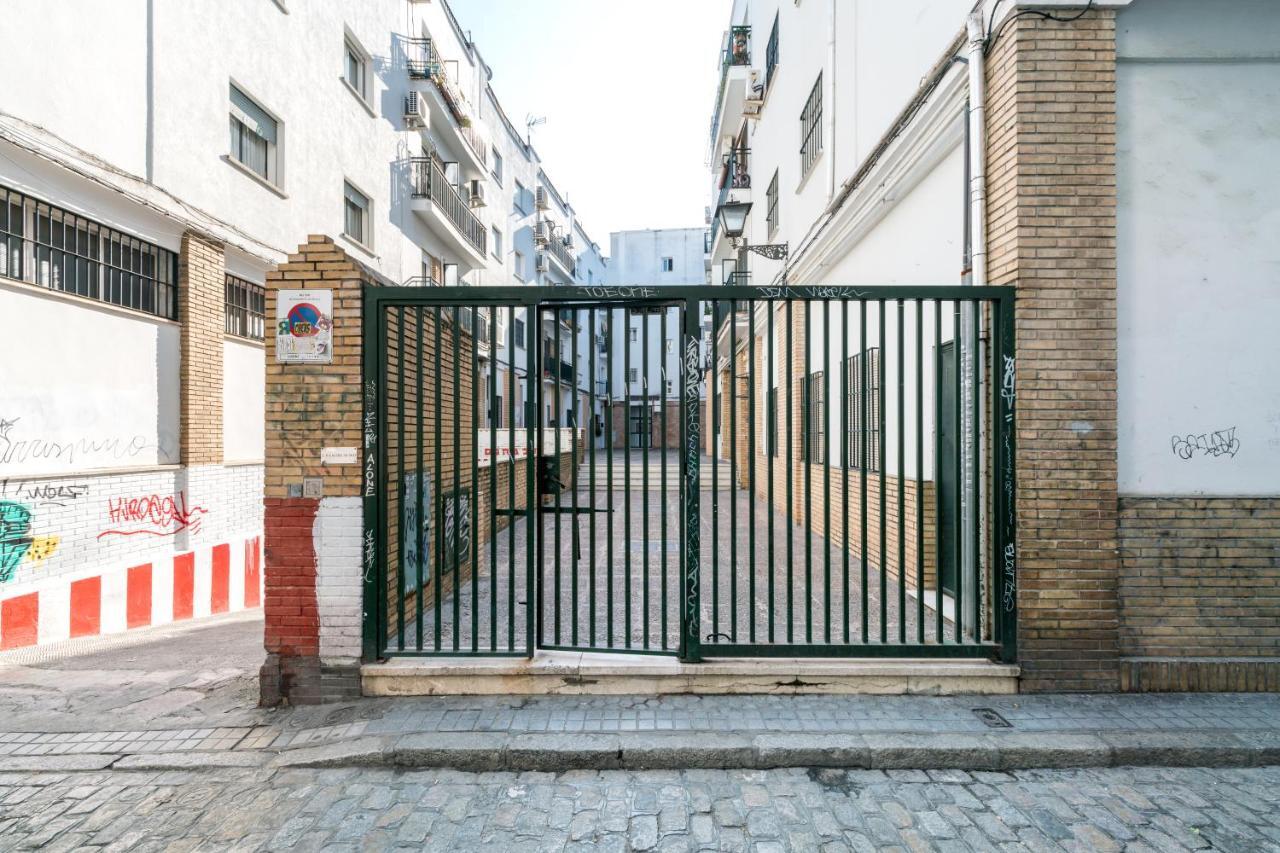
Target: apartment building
<point>1101,159</point>
<point>142,206</point>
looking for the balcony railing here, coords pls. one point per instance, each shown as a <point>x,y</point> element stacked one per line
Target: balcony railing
<point>420,58</point>
<point>563,254</point>
<point>424,63</point>
<point>429,181</point>
<point>736,51</point>
<point>734,173</point>
<point>551,367</point>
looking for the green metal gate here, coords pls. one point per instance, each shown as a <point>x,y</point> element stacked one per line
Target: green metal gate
<point>690,471</point>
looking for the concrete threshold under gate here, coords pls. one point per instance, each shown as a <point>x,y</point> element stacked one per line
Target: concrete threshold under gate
<point>585,673</point>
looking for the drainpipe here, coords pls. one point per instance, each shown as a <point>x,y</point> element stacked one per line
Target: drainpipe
<point>972,516</point>
<point>831,146</point>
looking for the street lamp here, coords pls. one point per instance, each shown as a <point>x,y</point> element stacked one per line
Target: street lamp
<point>733,218</point>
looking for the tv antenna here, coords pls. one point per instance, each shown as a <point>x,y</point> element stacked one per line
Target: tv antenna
<point>530,122</point>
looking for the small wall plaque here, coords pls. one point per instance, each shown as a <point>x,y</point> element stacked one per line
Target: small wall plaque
<point>338,456</point>
<point>313,487</point>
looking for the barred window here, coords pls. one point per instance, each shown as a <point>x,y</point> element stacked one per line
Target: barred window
<point>811,128</point>
<point>771,53</point>
<point>815,424</point>
<point>45,245</point>
<point>244,308</point>
<point>771,422</point>
<point>771,199</point>
<point>862,371</point>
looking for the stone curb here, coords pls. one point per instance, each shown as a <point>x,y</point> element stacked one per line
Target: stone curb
<point>734,750</point>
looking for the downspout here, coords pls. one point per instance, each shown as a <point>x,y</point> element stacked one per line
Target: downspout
<point>973,517</point>
<point>834,109</point>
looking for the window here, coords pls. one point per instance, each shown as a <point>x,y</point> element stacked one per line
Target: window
<point>497,166</point>
<point>497,243</point>
<point>517,261</point>
<point>517,328</point>
<point>633,372</point>
<point>771,204</point>
<point>771,422</point>
<point>54,248</point>
<point>811,129</point>
<point>671,387</point>
<point>518,198</point>
<point>632,334</point>
<point>668,264</point>
<point>244,308</point>
<point>815,424</point>
<point>355,68</point>
<point>356,219</point>
<point>253,137</point>
<point>862,371</point>
<point>771,54</point>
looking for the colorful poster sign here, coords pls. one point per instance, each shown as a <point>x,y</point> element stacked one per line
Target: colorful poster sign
<point>304,327</point>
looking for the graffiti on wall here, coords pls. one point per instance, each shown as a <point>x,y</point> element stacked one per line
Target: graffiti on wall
<point>17,449</point>
<point>39,493</point>
<point>153,515</point>
<point>17,543</point>
<point>1213,444</point>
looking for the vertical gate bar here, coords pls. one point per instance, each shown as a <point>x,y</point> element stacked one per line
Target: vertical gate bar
<point>646,418</point>
<point>902,479</point>
<point>1006,483</point>
<point>533,452</point>
<point>937,465</point>
<point>882,467</point>
<point>662,503</point>
<point>511,484</point>
<point>826,471</point>
<point>807,434</point>
<point>422,515</point>
<point>439,481</point>
<point>493,477</point>
<point>975,308</point>
<point>574,426</point>
<point>863,467</point>
<point>772,450</point>
<point>473,527</point>
<point>457,466</point>
<point>717,425</point>
<point>732,394</point>
<point>400,395</point>
<point>751,377</point>
<point>960,439</point>
<point>610,340</point>
<point>691,582</point>
<point>919,471</point>
<point>791,452</point>
<point>554,417</point>
<point>591,451</point>
<point>374,587</point>
<point>846,399</point>
<point>626,480</point>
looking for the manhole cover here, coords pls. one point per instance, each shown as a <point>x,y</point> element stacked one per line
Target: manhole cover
<point>992,719</point>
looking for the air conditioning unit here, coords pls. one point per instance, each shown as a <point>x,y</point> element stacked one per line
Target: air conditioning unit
<point>540,200</point>
<point>568,241</point>
<point>754,102</point>
<point>542,232</point>
<point>540,263</point>
<point>477,192</point>
<point>415,111</point>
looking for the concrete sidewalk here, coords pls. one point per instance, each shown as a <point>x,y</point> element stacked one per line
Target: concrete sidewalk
<point>184,697</point>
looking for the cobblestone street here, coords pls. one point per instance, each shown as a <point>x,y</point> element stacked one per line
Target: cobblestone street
<point>1139,809</point>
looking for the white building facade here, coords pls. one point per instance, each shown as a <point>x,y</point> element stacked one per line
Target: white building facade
<point>132,483</point>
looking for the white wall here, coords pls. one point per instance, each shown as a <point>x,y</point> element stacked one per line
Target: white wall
<point>116,378</point>
<point>1198,137</point>
<point>243,401</point>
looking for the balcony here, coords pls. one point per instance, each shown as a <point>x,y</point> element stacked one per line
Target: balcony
<point>735,61</point>
<point>450,113</point>
<point>445,210</point>
<point>554,367</point>
<point>562,255</point>
<point>735,178</point>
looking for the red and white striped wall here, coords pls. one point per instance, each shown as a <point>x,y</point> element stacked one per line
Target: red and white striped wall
<point>221,578</point>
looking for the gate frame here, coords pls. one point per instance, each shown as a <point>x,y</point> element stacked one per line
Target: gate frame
<point>1003,527</point>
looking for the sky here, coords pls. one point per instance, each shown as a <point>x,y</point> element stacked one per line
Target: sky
<point>627,91</point>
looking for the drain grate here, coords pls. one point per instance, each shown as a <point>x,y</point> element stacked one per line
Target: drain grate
<point>992,719</point>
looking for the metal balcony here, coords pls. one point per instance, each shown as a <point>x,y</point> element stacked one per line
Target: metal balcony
<point>429,182</point>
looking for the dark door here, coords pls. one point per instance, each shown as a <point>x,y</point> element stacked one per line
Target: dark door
<point>948,454</point>
<point>639,429</point>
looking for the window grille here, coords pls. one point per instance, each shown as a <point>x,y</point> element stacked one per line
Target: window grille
<point>811,129</point>
<point>245,308</point>
<point>863,370</point>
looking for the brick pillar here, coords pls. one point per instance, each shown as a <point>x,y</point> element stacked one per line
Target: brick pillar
<point>201,292</point>
<point>313,576</point>
<point>1051,189</point>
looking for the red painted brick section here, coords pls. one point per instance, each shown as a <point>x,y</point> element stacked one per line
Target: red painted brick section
<point>291,615</point>
<point>253,572</point>
<point>220,589</point>
<point>184,586</point>
<point>138,597</point>
<point>19,621</point>
<point>86,607</point>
